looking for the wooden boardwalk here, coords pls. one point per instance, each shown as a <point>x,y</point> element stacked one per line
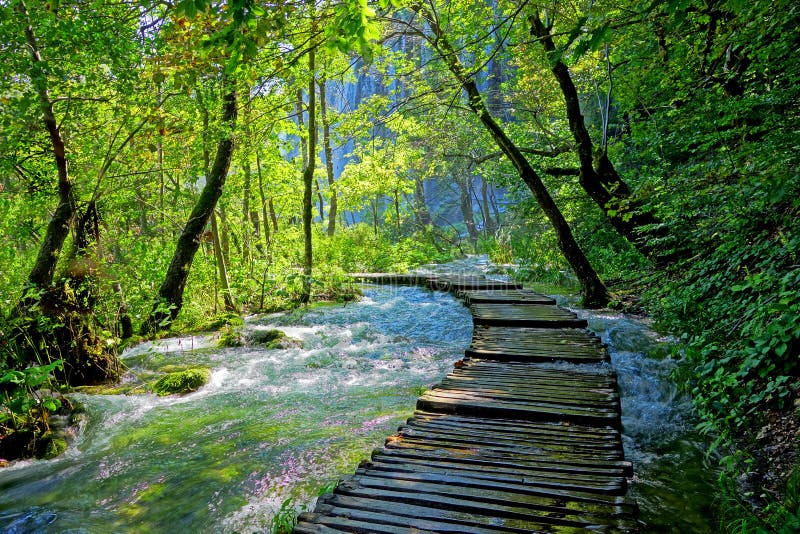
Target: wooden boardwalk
<point>522,436</point>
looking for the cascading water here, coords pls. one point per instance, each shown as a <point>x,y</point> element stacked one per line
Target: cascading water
<point>274,426</point>
<point>270,425</point>
<point>672,484</point>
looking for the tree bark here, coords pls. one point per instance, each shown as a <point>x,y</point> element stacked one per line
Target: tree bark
<point>488,224</point>
<point>421,207</point>
<point>326,141</point>
<point>308,178</point>
<point>597,176</point>
<point>125,323</point>
<point>465,203</point>
<point>227,296</point>
<point>263,197</point>
<point>170,295</point>
<point>593,292</point>
<point>41,276</point>
<point>273,216</point>
<point>246,229</point>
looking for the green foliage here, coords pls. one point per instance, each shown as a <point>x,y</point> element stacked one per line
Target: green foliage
<point>285,518</point>
<point>361,249</point>
<point>181,382</point>
<point>230,336</point>
<point>778,516</point>
<point>26,402</point>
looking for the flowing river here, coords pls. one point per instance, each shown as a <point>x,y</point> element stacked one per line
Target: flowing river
<point>273,428</point>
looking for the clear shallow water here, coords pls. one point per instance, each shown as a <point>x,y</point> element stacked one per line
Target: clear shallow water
<point>273,425</point>
<point>674,488</point>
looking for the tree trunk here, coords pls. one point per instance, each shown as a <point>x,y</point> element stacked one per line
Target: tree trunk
<point>125,323</point>
<point>397,212</point>
<point>326,141</point>
<point>320,200</point>
<point>593,292</point>
<point>597,177</point>
<point>170,295</point>
<point>308,178</point>
<point>262,195</point>
<point>489,225</point>
<point>465,203</point>
<point>41,276</point>
<point>421,207</point>
<point>227,296</point>
<point>246,208</point>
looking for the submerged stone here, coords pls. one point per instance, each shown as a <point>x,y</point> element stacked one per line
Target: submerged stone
<point>274,339</point>
<point>182,381</point>
<point>54,447</point>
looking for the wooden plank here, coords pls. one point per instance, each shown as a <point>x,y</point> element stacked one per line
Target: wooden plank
<point>547,443</point>
<point>508,296</point>
<point>460,479</point>
<point>531,315</point>
<point>465,283</point>
<point>527,504</point>
<point>536,344</point>
<point>573,482</point>
<point>540,462</point>
<point>570,431</point>
<point>409,279</point>
<point>417,517</point>
<point>497,408</point>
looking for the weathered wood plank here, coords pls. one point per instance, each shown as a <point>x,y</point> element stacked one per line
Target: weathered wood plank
<point>467,283</point>
<point>406,279</point>
<point>531,315</point>
<point>522,436</point>
<point>536,345</point>
<point>508,296</point>
<point>568,431</point>
<point>541,462</point>
<point>529,503</point>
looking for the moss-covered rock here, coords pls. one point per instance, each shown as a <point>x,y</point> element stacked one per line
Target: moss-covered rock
<point>181,381</point>
<point>273,339</point>
<point>54,446</point>
<point>262,337</point>
<point>230,336</point>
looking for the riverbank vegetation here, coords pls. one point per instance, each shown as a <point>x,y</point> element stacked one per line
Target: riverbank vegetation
<point>165,163</point>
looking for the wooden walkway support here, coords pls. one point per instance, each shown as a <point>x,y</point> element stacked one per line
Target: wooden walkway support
<point>522,436</point>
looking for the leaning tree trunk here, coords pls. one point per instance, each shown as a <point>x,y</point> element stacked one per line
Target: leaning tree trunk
<point>597,174</point>
<point>170,295</point>
<point>41,276</point>
<point>593,292</point>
